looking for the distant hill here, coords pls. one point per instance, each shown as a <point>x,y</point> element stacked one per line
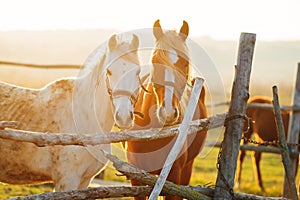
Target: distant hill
<point>46,47</point>
<point>274,61</point>
<point>50,47</point>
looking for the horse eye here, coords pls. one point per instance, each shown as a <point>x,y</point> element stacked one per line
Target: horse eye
<point>173,56</point>
<point>108,72</point>
<point>138,72</point>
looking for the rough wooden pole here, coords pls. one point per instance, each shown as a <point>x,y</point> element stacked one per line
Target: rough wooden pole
<point>257,105</point>
<point>294,129</point>
<point>91,193</point>
<point>283,146</point>
<point>48,139</point>
<point>235,121</point>
<point>146,178</point>
<point>180,140</point>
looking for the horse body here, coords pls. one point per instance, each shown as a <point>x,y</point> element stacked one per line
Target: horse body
<point>26,105</point>
<point>164,106</point>
<point>47,110</point>
<point>150,155</point>
<point>263,125</point>
<point>64,106</point>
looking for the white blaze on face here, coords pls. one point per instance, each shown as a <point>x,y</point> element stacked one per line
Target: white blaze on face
<point>123,107</point>
<point>173,56</point>
<point>169,77</point>
<point>125,80</point>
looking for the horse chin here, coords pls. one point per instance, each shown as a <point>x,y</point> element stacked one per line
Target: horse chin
<point>124,119</point>
<point>123,126</point>
<point>170,122</point>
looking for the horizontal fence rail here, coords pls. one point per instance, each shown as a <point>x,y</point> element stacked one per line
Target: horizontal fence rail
<point>256,105</point>
<point>29,65</point>
<point>42,139</point>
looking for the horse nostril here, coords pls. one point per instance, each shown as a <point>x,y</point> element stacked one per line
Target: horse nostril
<point>162,112</point>
<point>118,116</point>
<point>176,113</point>
<point>131,115</point>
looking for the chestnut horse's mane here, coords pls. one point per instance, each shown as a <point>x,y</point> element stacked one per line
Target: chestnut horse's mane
<point>170,41</point>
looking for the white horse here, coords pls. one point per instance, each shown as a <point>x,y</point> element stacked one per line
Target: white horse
<point>103,95</point>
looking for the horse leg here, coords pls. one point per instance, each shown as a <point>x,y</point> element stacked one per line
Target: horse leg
<point>66,182</point>
<point>84,183</point>
<point>134,183</point>
<point>239,168</point>
<point>186,173</point>
<point>257,157</point>
<point>174,176</point>
<point>73,167</point>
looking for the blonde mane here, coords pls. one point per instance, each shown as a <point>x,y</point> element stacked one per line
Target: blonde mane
<point>171,41</point>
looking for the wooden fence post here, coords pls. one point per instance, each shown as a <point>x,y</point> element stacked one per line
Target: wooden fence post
<point>235,120</point>
<point>180,140</point>
<point>294,129</point>
<point>283,146</point>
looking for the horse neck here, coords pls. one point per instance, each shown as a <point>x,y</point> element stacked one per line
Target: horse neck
<point>91,108</point>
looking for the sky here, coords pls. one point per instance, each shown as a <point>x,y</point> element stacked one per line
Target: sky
<point>219,19</point>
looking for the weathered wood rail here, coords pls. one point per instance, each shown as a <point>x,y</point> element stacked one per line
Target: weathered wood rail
<point>42,139</point>
<point>294,130</point>
<point>295,108</point>
<point>283,147</point>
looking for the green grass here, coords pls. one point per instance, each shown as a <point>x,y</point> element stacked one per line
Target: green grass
<point>204,173</point>
<point>10,191</point>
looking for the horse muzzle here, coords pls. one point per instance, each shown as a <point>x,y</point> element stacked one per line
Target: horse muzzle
<point>167,117</point>
<point>124,120</point>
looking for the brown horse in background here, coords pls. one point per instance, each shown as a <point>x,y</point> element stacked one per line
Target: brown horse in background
<point>263,125</point>
<point>164,105</point>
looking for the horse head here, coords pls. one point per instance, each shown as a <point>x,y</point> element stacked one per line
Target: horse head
<point>170,71</point>
<point>122,79</point>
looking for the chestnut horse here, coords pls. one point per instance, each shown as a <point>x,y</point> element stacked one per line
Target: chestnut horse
<point>264,127</point>
<point>164,105</point>
<point>103,95</point>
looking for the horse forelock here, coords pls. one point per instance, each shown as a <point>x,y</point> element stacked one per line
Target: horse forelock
<point>124,51</point>
<point>169,42</point>
<point>99,57</point>
<point>172,40</point>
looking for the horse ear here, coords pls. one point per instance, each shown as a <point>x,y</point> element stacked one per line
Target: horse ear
<point>135,42</point>
<point>112,43</point>
<point>184,30</point>
<point>157,30</point>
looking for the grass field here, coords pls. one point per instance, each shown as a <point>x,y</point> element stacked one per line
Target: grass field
<point>204,173</point>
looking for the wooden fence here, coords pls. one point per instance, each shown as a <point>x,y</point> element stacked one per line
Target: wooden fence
<point>292,136</point>
<point>233,121</point>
